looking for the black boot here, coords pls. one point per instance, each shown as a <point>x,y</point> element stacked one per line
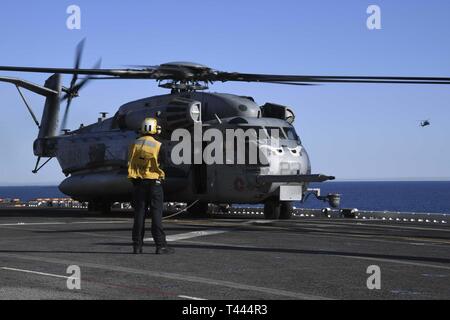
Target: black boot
<point>164,250</point>
<point>137,249</point>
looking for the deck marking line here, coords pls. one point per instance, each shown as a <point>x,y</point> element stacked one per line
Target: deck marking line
<point>35,272</point>
<point>202,233</point>
<point>189,235</point>
<point>189,297</point>
<point>59,223</point>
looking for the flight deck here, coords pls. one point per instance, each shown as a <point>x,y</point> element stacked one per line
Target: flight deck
<point>243,257</point>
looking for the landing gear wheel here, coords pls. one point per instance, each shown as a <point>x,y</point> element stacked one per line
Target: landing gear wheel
<point>272,210</point>
<point>286,210</point>
<point>198,210</point>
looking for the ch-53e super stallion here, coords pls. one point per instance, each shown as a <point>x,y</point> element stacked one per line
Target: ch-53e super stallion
<point>94,157</point>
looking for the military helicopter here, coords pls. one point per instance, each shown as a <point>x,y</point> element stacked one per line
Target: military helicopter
<point>425,123</point>
<point>94,157</point>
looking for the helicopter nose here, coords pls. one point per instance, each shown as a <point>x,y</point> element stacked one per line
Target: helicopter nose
<point>288,161</point>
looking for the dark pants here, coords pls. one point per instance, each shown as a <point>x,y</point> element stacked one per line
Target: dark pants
<point>148,193</point>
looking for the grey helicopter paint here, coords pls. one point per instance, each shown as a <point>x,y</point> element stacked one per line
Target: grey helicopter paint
<point>94,157</point>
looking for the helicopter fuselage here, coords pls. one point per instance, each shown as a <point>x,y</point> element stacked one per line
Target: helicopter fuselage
<point>94,157</point>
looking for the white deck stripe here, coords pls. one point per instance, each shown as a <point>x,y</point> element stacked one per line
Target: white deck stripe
<point>103,222</point>
<point>58,223</point>
<point>65,277</point>
<point>202,233</point>
<point>29,224</point>
<point>190,235</point>
<point>35,272</point>
<point>191,298</point>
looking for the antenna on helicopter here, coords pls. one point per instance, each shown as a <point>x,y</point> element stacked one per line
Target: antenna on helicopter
<point>218,119</point>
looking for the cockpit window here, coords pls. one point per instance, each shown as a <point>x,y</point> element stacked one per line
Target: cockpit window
<point>251,127</point>
<point>275,132</point>
<point>251,130</point>
<point>290,133</point>
<point>256,128</point>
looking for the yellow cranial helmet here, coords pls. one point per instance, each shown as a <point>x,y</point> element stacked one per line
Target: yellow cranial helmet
<point>150,126</point>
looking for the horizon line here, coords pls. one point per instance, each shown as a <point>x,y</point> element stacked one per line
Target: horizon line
<point>398,179</point>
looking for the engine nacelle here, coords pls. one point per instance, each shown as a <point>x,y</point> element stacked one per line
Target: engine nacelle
<point>271,110</point>
<point>179,113</point>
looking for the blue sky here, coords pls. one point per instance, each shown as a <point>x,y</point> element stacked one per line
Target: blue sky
<point>351,131</point>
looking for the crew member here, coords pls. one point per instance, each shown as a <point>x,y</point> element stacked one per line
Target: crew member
<point>146,175</point>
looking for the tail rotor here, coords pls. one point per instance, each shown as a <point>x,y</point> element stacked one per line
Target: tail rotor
<point>73,91</point>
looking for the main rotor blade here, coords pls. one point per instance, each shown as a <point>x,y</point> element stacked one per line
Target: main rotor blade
<point>312,82</point>
<point>381,81</point>
<point>290,83</point>
<point>126,73</point>
<point>245,77</point>
<point>185,73</point>
<point>141,66</point>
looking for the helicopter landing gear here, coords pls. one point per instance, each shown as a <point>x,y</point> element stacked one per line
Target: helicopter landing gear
<point>198,210</point>
<point>286,210</point>
<point>272,210</point>
<point>99,206</point>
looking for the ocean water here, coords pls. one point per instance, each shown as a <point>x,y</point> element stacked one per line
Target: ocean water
<point>403,196</point>
<point>431,197</point>
<point>29,193</point>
